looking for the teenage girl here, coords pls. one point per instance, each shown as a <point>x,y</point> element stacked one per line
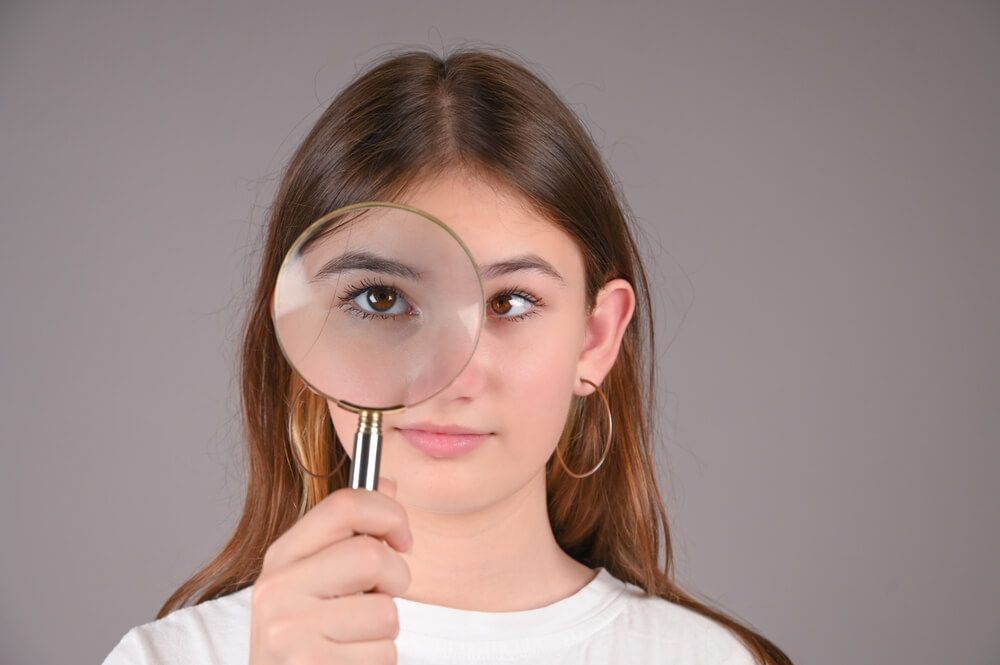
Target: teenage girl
<point>519,520</point>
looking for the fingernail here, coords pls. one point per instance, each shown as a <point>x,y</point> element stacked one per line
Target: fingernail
<point>387,485</point>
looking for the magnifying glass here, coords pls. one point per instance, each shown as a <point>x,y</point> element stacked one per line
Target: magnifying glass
<point>378,307</point>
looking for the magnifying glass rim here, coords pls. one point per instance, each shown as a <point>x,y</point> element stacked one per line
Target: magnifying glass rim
<point>307,234</point>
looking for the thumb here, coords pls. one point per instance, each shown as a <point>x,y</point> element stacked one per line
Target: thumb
<point>387,486</point>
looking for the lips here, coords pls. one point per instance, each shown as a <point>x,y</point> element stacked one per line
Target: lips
<point>442,441</point>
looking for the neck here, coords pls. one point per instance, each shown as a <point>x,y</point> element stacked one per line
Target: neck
<point>499,559</point>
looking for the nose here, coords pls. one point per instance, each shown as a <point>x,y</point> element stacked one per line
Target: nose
<point>473,379</point>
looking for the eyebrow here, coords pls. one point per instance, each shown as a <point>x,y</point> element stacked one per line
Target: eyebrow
<point>366,261</point>
<point>531,262</point>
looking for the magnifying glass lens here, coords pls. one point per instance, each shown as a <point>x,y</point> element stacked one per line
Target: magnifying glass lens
<point>378,306</point>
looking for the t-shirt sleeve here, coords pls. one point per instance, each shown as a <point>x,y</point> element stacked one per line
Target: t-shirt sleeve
<point>133,650</point>
<point>212,633</point>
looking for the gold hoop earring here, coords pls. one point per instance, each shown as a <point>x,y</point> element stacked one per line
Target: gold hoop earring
<point>293,446</point>
<point>607,444</point>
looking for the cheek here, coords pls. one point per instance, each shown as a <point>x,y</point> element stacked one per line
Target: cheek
<point>539,410</point>
<point>345,424</point>
<point>539,380</point>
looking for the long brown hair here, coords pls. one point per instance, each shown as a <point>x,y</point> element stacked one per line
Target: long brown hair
<point>409,117</point>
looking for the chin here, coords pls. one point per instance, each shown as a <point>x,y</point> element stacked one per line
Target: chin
<point>440,490</point>
<point>446,489</point>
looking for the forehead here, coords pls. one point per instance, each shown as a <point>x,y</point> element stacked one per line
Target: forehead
<point>495,222</point>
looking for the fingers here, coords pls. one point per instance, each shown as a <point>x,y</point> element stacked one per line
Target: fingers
<point>352,566</point>
<point>373,567</point>
<point>322,651</point>
<point>324,594</point>
<point>368,617</point>
<point>339,516</point>
<point>382,652</point>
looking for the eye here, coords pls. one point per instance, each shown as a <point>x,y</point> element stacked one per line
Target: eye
<point>512,305</point>
<point>367,300</point>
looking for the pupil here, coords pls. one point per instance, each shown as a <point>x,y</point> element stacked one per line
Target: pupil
<point>381,300</point>
<point>501,304</point>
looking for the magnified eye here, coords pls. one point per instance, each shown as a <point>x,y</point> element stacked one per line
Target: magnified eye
<point>510,305</point>
<point>379,300</point>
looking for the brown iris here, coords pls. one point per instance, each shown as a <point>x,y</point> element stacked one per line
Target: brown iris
<point>501,304</point>
<point>381,299</point>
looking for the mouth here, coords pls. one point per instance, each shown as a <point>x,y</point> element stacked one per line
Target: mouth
<point>442,441</point>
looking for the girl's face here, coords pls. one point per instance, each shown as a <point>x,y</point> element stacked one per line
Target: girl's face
<point>488,435</point>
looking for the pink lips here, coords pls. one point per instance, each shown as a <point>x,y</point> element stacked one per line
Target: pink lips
<point>442,441</point>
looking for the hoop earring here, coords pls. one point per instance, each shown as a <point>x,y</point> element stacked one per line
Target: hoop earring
<point>607,445</point>
<point>293,448</point>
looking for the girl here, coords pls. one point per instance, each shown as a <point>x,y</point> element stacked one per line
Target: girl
<point>520,520</point>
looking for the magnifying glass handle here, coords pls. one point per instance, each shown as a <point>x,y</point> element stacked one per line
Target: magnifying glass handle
<point>367,451</point>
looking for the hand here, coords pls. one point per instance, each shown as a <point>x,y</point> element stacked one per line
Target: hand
<point>324,594</point>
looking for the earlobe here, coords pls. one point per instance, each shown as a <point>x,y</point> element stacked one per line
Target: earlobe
<point>606,325</point>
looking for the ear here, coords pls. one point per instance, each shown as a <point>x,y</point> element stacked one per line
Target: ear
<point>606,326</point>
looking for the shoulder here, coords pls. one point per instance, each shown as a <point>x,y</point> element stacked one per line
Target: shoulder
<point>215,632</point>
<point>672,633</point>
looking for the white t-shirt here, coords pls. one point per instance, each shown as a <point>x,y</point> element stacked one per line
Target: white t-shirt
<point>606,622</point>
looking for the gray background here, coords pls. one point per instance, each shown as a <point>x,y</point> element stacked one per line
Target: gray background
<point>819,188</point>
